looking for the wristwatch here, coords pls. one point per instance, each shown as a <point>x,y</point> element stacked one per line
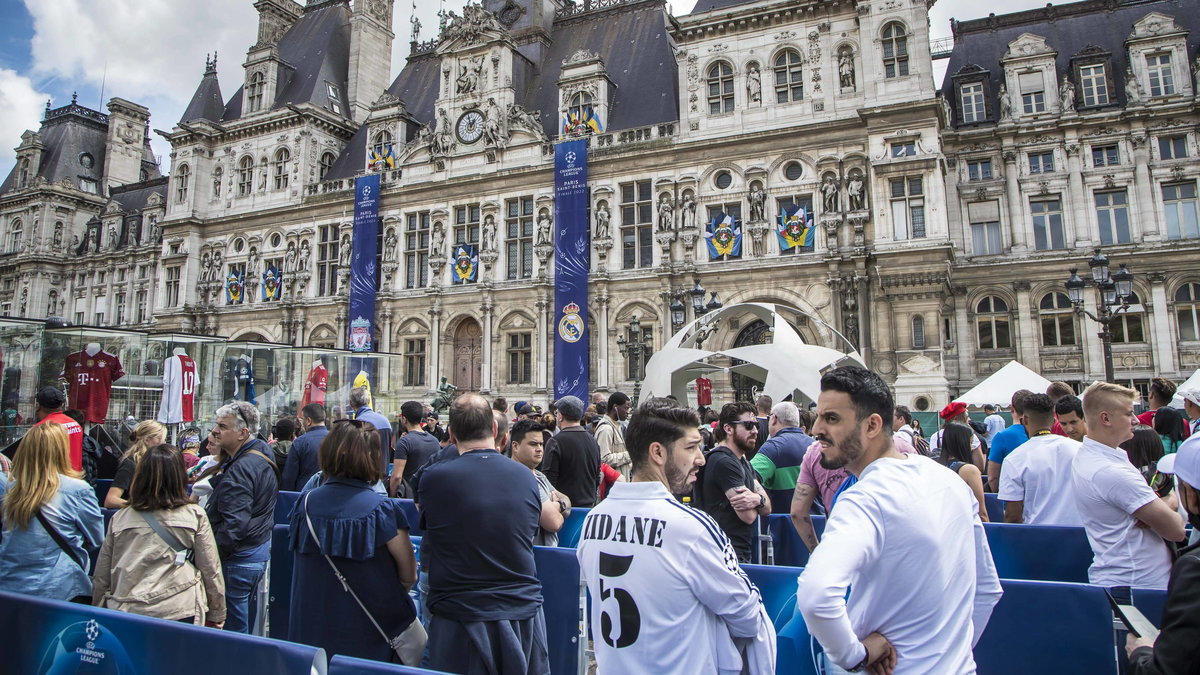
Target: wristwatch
<point>562,506</point>
<point>762,501</point>
<point>862,665</point>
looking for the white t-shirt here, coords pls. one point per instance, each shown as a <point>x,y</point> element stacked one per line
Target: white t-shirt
<point>908,543</point>
<point>1038,473</point>
<point>666,579</point>
<point>1108,489</point>
<point>935,443</point>
<point>995,424</point>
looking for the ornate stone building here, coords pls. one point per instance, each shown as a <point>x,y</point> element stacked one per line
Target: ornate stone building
<point>825,111</point>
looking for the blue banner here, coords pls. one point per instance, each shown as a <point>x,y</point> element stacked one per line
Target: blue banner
<point>724,236</point>
<point>363,282</point>
<point>796,227</point>
<point>234,285</point>
<point>466,264</point>
<point>572,258</point>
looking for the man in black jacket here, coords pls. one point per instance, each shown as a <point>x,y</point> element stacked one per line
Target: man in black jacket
<point>572,457</point>
<point>242,507</point>
<point>1177,648</point>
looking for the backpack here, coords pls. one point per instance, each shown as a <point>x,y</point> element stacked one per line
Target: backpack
<point>92,454</point>
<point>921,444</point>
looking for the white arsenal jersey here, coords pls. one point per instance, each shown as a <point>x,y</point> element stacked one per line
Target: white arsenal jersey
<point>179,390</point>
<point>667,593</point>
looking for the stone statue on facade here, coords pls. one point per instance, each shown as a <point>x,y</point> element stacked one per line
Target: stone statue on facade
<point>305,256</point>
<point>218,268</point>
<point>488,242</point>
<point>390,242</point>
<point>856,191</point>
<point>112,237</point>
<point>1005,103</point>
<point>846,68</point>
<point>437,240</point>
<point>443,139</point>
<point>602,221</point>
<point>205,267</point>
<point>666,214</point>
<point>216,184</point>
<point>57,241</point>
<point>758,204</point>
<point>289,258</point>
<point>345,250</point>
<point>520,118</point>
<point>687,211</point>
<point>74,244</point>
<point>545,234</point>
<point>829,191</point>
<point>469,76</point>
<point>493,126</point>
<point>754,84</point>
<point>1066,95</point>
<point>1133,89</point>
<point>254,264</point>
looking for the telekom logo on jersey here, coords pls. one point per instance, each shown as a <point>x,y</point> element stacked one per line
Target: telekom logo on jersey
<point>644,531</point>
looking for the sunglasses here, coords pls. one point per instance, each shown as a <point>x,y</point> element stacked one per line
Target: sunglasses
<point>748,425</point>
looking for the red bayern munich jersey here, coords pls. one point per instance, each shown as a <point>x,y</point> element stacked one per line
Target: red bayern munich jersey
<point>89,382</point>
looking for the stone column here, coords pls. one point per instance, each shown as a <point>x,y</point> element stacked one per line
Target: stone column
<point>485,311</point>
<point>1162,344</point>
<point>386,318</point>
<point>542,375</point>
<point>341,327</point>
<point>1142,215</point>
<point>1026,329</point>
<point>601,332</point>
<point>965,336</point>
<point>1016,210</point>
<point>434,352</point>
<point>1093,346</point>
<point>1077,199</point>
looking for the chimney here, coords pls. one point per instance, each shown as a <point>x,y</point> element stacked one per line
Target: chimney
<point>370,55</point>
<point>128,124</point>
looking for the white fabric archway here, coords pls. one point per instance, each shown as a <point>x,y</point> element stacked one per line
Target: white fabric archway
<point>786,365</point>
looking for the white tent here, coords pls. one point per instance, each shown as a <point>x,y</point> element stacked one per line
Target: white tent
<point>786,365</point>
<point>999,387</point>
<point>1192,382</point>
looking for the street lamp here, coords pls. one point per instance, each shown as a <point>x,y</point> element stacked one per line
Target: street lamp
<point>697,294</point>
<point>713,304</point>
<point>633,349</point>
<point>677,313</point>
<point>1114,290</point>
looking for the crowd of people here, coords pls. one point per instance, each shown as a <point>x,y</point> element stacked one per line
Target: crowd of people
<point>676,496</point>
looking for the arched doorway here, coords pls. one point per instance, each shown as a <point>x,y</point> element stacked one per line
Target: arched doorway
<point>468,355</point>
<point>756,332</point>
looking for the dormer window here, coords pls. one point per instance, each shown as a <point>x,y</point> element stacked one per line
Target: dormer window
<point>1033,92</point>
<point>971,103</point>
<point>335,97</point>
<point>580,108</point>
<point>1161,74</point>
<point>904,149</point>
<point>254,93</point>
<point>1095,84</point>
<point>23,173</point>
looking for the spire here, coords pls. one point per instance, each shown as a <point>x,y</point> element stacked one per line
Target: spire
<point>207,103</point>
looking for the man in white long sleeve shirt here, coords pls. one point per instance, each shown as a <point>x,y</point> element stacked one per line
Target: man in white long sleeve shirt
<point>667,593</point>
<point>906,540</point>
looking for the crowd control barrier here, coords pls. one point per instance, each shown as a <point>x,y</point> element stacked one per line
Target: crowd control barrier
<point>995,507</point>
<point>280,587</point>
<point>285,501</point>
<point>564,607</point>
<point>572,529</point>
<point>61,637</point>
<point>1039,552</point>
<point>346,665</point>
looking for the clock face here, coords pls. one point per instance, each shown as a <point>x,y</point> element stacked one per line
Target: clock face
<point>470,126</point>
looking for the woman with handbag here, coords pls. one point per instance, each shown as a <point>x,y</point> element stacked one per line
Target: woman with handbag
<point>50,518</point>
<point>160,558</point>
<point>354,562</point>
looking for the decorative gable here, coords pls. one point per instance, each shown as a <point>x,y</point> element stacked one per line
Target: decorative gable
<point>584,92</point>
<point>1156,25</point>
<point>1027,45</point>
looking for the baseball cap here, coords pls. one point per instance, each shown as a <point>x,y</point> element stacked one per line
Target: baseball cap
<point>525,409</point>
<point>51,398</point>
<point>570,407</point>
<point>1191,394</point>
<point>1185,464</point>
<point>953,410</point>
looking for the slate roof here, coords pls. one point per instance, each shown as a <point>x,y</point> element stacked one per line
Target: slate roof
<point>710,5</point>
<point>206,103</point>
<point>316,49</point>
<point>1068,29</point>
<point>133,197</point>
<point>67,134</point>
<point>632,40</point>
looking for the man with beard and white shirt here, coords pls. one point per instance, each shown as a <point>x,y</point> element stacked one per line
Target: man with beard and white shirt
<point>668,595</point>
<point>729,490</point>
<point>1036,484</point>
<point>906,527</point>
<point>1126,522</point>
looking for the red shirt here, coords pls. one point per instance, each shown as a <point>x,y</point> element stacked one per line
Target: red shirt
<point>703,391</point>
<point>74,436</point>
<point>315,386</point>
<point>89,382</point>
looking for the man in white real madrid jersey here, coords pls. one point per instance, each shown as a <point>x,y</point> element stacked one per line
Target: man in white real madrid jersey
<point>906,540</point>
<point>667,593</point>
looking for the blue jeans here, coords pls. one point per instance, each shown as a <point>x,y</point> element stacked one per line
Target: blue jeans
<point>241,582</point>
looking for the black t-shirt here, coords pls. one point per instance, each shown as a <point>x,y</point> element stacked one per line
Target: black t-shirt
<point>415,447</point>
<point>480,513</point>
<point>572,464</point>
<point>124,477</point>
<point>724,471</point>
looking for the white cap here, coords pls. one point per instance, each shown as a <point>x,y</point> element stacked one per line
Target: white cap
<point>1191,394</point>
<point>1184,464</point>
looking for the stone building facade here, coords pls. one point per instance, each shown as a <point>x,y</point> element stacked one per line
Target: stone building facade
<point>746,109</point>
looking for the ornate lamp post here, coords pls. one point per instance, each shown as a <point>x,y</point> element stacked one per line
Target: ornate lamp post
<point>634,348</point>
<point>1114,290</point>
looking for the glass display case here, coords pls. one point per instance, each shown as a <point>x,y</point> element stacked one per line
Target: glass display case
<point>257,372</point>
<point>327,376</point>
<point>174,361</point>
<point>20,356</point>
<point>100,370</point>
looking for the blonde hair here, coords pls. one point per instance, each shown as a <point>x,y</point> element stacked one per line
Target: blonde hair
<point>44,455</point>
<point>140,434</point>
<point>1103,397</point>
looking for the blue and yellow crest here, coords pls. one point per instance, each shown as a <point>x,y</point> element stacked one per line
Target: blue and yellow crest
<point>571,326</point>
<point>272,279</point>
<point>233,287</point>
<point>795,228</point>
<point>724,237</point>
<point>466,263</point>
<point>381,157</point>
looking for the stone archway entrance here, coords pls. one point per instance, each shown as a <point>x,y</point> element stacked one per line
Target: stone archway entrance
<point>468,355</point>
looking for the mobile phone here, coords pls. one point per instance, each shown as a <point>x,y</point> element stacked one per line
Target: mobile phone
<point>1132,617</point>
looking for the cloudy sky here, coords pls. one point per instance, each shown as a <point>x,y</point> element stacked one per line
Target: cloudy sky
<point>152,52</point>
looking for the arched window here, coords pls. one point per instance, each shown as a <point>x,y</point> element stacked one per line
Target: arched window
<point>580,108</point>
<point>991,323</point>
<point>254,93</point>
<point>218,177</point>
<point>918,332</point>
<point>23,174</point>
<point>327,160</point>
<point>245,176</point>
<point>383,141</point>
<point>1187,311</point>
<point>1058,320</point>
<point>789,77</point>
<point>15,231</point>
<point>1127,327</point>
<point>895,50</point>
<point>720,88</point>
<point>281,168</point>
<point>182,178</point>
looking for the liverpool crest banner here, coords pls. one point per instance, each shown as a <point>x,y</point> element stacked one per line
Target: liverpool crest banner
<point>724,236</point>
<point>795,227</point>
<point>363,271</point>
<point>572,259</point>
<point>466,264</point>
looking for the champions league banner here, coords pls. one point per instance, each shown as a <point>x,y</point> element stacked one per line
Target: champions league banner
<point>571,262</point>
<point>46,637</point>
<point>362,264</point>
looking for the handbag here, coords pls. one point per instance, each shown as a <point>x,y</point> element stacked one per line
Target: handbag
<point>409,645</point>
<point>183,554</point>
<point>60,540</point>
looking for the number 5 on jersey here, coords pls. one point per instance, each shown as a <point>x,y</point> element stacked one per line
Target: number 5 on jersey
<point>630,620</point>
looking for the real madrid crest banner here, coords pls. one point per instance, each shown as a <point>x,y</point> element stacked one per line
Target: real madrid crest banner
<point>724,236</point>
<point>572,259</point>
<point>363,272</point>
<point>466,264</point>
<point>795,227</point>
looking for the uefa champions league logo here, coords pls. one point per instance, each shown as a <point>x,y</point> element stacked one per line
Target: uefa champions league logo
<point>570,157</point>
<point>92,631</point>
<point>366,191</point>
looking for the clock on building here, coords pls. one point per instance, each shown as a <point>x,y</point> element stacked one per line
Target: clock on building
<point>470,126</point>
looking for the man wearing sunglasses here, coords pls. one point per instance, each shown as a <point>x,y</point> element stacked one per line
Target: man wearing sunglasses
<point>729,490</point>
<point>242,507</point>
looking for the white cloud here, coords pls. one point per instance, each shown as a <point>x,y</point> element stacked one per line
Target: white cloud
<point>21,106</point>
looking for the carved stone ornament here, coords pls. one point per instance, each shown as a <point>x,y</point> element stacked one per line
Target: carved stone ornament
<point>520,118</point>
<point>470,27</point>
<point>580,56</point>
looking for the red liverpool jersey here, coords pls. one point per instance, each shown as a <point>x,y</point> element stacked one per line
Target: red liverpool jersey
<point>89,382</point>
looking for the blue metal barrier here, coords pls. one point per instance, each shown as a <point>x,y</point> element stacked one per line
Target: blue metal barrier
<point>285,501</point>
<point>280,590</point>
<point>346,665</point>
<point>995,507</point>
<point>572,529</point>
<point>558,570</point>
<point>778,587</point>
<point>414,517</point>
<point>789,548</point>
<point>1039,552</point>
